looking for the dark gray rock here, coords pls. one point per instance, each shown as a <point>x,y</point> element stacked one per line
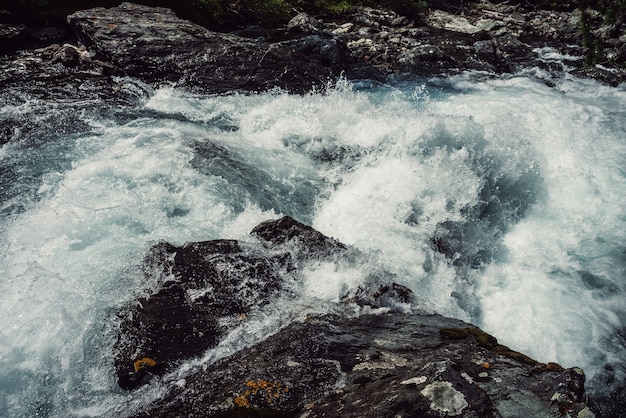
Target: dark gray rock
<point>505,53</point>
<point>455,36</point>
<point>155,45</point>
<point>303,240</point>
<point>375,295</point>
<point>208,288</point>
<point>305,23</point>
<point>495,38</point>
<point>214,284</point>
<point>328,51</point>
<point>385,365</point>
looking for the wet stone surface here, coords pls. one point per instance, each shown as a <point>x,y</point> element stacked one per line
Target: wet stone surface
<point>374,357</point>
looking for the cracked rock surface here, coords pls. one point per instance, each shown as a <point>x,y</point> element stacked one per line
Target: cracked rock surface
<point>386,365</point>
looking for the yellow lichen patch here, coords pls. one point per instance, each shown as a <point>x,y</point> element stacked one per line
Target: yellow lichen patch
<point>144,362</point>
<point>486,365</point>
<point>260,391</point>
<point>242,400</point>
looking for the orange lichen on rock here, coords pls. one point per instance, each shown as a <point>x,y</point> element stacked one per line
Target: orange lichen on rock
<point>242,401</point>
<point>144,362</point>
<point>260,391</point>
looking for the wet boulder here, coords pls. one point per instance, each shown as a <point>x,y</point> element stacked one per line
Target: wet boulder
<point>326,50</point>
<point>505,53</point>
<point>372,355</point>
<point>305,240</point>
<point>153,44</point>
<point>378,295</point>
<point>207,289</point>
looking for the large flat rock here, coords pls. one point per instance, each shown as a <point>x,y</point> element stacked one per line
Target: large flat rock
<point>372,366</point>
<point>154,44</point>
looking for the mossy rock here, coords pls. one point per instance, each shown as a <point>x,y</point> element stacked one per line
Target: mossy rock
<point>484,339</point>
<point>487,341</point>
<point>514,355</point>
<point>481,337</point>
<point>454,333</point>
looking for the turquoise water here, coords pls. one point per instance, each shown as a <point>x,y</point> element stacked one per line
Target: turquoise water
<point>498,202</point>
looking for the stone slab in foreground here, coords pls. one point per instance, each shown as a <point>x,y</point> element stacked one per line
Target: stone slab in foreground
<point>388,365</point>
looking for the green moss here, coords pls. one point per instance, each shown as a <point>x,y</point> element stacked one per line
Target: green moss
<point>481,337</point>
<point>454,333</point>
<point>487,341</point>
<point>484,339</point>
<point>514,355</point>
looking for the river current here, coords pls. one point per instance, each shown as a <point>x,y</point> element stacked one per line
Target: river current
<point>499,202</point>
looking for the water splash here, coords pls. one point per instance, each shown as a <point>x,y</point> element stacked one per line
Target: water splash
<point>498,202</point>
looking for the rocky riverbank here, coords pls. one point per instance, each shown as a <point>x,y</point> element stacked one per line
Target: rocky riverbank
<point>488,38</point>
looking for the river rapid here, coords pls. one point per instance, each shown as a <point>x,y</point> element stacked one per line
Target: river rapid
<point>499,202</point>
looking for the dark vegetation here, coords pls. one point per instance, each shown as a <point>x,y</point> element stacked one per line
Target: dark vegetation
<point>219,13</point>
<point>215,14</point>
<point>227,15</point>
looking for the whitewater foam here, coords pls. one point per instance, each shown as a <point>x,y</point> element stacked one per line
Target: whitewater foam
<point>498,202</point>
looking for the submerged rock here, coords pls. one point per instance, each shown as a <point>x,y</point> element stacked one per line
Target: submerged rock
<point>374,356</point>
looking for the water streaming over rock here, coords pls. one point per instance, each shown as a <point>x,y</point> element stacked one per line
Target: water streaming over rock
<point>498,202</point>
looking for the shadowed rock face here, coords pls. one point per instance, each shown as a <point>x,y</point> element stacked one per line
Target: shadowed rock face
<point>155,45</point>
<point>394,363</point>
<point>209,287</point>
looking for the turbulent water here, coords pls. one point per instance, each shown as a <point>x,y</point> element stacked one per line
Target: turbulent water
<point>500,202</point>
